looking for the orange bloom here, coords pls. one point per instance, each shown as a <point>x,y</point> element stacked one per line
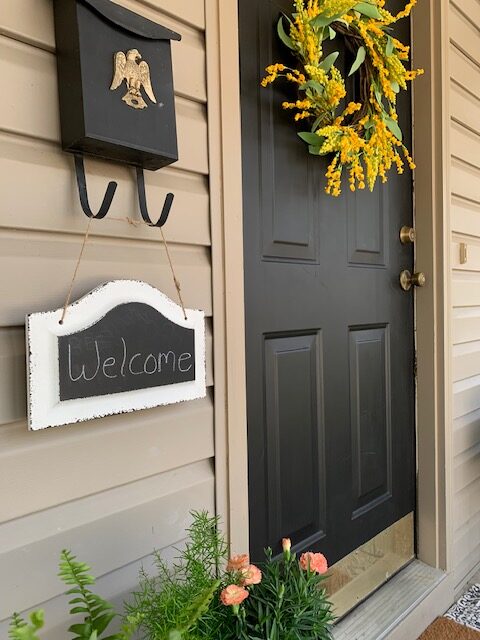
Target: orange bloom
<point>314,561</point>
<point>233,595</point>
<point>237,563</point>
<point>286,544</point>
<point>251,575</point>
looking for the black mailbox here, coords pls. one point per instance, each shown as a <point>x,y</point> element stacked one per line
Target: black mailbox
<point>115,83</point>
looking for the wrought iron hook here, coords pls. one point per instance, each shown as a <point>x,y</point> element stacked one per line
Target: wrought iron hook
<point>142,200</point>
<point>82,192</point>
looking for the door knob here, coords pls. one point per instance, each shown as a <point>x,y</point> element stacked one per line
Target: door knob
<point>407,234</point>
<point>407,280</point>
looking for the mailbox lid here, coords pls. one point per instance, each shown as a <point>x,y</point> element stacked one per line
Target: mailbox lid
<point>131,21</point>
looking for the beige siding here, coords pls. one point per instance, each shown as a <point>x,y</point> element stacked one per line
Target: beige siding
<point>464,101</point>
<point>110,489</point>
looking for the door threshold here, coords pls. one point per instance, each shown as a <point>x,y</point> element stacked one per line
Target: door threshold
<point>382,613</point>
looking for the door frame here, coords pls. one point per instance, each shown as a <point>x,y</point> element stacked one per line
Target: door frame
<point>432,323</point>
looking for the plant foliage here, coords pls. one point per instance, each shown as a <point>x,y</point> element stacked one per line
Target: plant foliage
<point>97,612</point>
<point>191,600</point>
<point>288,604</point>
<point>178,599</point>
<point>202,595</point>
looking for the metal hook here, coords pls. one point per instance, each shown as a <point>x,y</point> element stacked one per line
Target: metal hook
<point>82,192</point>
<point>142,200</point>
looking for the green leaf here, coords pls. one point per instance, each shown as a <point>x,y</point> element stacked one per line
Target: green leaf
<point>287,41</point>
<point>389,47</point>
<point>393,126</point>
<point>332,33</point>
<point>314,151</point>
<point>323,21</point>
<point>84,629</point>
<point>37,618</point>
<point>395,86</point>
<point>359,60</point>
<point>78,610</point>
<point>311,138</point>
<point>101,623</point>
<point>315,124</point>
<point>369,10</point>
<point>312,84</point>
<point>328,62</point>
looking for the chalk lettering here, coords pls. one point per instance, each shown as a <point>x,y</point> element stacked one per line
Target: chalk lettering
<point>145,370</point>
<point>184,356</point>
<point>165,357</point>
<point>134,373</point>
<point>122,368</point>
<point>108,362</point>
<point>82,371</point>
<point>148,364</point>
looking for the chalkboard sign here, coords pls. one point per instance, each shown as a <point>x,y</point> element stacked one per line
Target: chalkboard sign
<point>124,346</point>
<point>132,347</point>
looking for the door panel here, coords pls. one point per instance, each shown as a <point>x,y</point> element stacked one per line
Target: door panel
<point>329,332</point>
<point>370,417</point>
<point>293,386</point>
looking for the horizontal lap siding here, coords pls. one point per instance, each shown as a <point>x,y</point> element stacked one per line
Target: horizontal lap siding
<point>111,489</point>
<point>464,98</point>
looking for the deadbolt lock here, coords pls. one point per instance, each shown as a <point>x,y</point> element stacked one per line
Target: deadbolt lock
<point>407,280</point>
<point>407,234</point>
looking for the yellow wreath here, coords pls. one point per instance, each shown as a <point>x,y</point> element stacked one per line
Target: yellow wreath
<point>364,136</point>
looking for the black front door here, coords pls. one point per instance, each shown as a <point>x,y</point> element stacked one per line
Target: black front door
<point>329,332</point>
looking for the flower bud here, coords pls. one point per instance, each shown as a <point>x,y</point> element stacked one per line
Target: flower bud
<point>286,546</point>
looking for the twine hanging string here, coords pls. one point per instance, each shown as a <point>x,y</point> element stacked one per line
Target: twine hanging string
<point>175,279</point>
<point>70,289</point>
<point>134,223</point>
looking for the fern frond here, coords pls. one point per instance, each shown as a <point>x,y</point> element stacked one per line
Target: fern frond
<point>74,572</point>
<point>98,613</point>
<point>196,609</point>
<point>16,623</point>
<point>21,630</point>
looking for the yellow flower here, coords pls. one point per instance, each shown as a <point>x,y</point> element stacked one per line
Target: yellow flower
<point>302,115</point>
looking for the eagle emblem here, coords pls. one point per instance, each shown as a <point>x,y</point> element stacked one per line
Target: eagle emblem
<point>135,74</point>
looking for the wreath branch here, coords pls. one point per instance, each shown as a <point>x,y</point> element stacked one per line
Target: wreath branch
<point>353,41</point>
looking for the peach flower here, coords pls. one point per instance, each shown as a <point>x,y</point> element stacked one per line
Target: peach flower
<point>315,561</point>
<point>251,575</point>
<point>286,544</point>
<point>237,563</point>
<point>233,595</point>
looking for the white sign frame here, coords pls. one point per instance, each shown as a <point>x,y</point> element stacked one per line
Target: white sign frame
<point>45,409</point>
